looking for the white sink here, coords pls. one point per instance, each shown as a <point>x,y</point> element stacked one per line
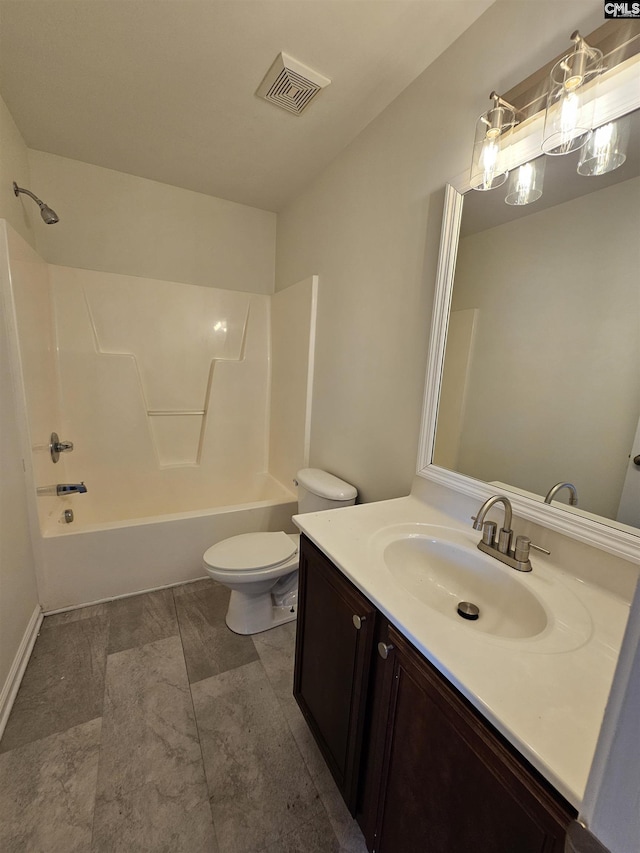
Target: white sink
<point>441,567</point>
<point>442,574</point>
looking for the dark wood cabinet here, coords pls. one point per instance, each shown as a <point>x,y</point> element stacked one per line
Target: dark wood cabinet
<point>442,780</point>
<point>334,643</point>
<point>421,769</point>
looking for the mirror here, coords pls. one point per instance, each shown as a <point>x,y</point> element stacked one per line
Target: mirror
<point>534,374</point>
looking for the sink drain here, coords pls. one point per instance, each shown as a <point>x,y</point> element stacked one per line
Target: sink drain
<point>468,610</point>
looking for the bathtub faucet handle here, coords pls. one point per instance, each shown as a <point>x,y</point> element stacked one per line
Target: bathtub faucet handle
<point>56,447</point>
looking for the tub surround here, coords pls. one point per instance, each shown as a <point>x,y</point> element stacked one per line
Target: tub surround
<point>548,701</point>
<point>164,388</point>
<point>170,393</point>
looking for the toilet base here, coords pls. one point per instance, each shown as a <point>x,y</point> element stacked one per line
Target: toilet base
<point>252,614</point>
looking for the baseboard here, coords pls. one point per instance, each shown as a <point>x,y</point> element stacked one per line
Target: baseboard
<point>10,687</point>
<point>124,595</point>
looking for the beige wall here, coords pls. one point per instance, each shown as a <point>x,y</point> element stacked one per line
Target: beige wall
<point>14,166</point>
<point>369,227</point>
<point>113,222</point>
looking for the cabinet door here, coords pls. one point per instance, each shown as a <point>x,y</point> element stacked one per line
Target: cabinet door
<point>333,659</point>
<point>448,783</point>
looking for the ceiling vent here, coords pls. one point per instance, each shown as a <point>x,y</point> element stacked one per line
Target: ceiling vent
<point>291,85</point>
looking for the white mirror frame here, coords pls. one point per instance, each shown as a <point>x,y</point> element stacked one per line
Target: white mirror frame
<point>618,94</point>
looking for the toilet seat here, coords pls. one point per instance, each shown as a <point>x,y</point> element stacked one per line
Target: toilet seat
<point>252,552</point>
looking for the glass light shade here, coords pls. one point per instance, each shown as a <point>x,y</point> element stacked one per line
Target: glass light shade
<point>571,100</point>
<point>525,182</point>
<point>488,169</point>
<point>606,149</point>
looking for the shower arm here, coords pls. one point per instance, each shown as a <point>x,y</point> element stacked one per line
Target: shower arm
<point>17,190</point>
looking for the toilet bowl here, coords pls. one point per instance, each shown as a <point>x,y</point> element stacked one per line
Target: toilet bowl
<point>252,566</point>
<point>261,569</point>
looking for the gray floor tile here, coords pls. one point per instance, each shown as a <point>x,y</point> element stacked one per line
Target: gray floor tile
<point>141,619</point>
<point>277,652</point>
<point>271,791</point>
<point>259,786</point>
<point>315,836</point>
<point>276,648</point>
<point>151,794</point>
<point>47,792</point>
<point>344,826</point>
<point>63,684</point>
<point>209,646</point>
<point>75,615</point>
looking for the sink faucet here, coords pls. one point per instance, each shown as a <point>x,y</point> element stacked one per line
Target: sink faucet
<point>553,491</point>
<point>504,537</point>
<point>518,556</point>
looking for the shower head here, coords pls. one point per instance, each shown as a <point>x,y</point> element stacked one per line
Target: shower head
<point>49,215</point>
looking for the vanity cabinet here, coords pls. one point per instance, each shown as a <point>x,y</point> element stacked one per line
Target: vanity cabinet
<point>334,643</point>
<point>440,779</point>
<point>430,774</point>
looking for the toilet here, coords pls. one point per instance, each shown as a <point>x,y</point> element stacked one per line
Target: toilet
<point>261,569</point>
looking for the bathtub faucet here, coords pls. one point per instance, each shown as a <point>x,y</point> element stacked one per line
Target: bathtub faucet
<point>70,488</point>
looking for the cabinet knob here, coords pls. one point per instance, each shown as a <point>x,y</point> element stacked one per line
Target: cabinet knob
<point>384,649</point>
<point>358,620</point>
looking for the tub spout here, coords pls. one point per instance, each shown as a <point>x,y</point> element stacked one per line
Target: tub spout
<point>70,488</point>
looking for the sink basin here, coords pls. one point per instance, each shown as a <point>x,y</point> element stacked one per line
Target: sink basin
<point>439,567</point>
<point>442,573</point>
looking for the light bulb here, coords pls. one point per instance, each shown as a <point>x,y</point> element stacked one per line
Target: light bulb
<point>489,160</point>
<point>569,116</point>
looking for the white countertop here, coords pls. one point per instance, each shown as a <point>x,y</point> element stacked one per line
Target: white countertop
<point>546,697</point>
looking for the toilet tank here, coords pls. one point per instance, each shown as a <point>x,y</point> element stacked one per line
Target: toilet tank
<point>319,490</point>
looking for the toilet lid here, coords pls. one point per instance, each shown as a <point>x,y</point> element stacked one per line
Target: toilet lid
<point>251,551</point>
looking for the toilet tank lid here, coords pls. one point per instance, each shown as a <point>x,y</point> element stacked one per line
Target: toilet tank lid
<point>325,485</point>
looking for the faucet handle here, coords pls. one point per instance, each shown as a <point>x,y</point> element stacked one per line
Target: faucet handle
<point>489,533</point>
<point>523,544</point>
<point>504,540</point>
<point>56,447</point>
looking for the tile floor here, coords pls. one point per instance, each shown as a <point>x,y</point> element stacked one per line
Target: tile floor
<point>144,724</point>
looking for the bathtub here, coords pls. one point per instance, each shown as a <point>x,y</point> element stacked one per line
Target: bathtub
<point>90,560</point>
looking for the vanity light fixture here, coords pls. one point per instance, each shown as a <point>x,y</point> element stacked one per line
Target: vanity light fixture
<point>525,182</point>
<point>492,128</point>
<point>606,149</point>
<point>571,98</point>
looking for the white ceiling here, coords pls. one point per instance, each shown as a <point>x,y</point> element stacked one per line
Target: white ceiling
<point>165,89</point>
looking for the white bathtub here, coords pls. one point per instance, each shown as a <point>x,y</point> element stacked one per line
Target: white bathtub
<point>89,561</point>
